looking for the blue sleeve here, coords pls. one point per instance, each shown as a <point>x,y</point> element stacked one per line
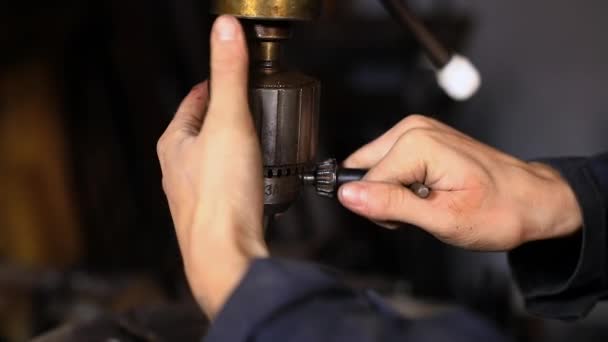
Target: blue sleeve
<point>288,301</point>
<point>564,278</point>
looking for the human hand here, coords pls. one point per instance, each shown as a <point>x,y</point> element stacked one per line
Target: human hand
<point>481,198</point>
<point>212,174</point>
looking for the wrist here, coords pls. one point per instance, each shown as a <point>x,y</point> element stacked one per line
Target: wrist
<point>559,214</point>
<point>232,235</point>
<point>224,250</point>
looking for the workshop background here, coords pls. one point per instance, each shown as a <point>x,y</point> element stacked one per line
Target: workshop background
<point>87,87</point>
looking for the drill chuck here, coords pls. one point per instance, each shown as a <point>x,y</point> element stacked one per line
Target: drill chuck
<point>285,106</point>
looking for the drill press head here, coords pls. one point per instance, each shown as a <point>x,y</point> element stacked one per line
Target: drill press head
<point>284,104</point>
<point>268,9</point>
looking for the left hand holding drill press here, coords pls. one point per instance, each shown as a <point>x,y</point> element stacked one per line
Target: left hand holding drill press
<point>212,174</point>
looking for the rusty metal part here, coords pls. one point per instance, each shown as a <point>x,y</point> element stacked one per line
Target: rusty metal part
<point>271,31</point>
<point>285,106</point>
<point>328,176</point>
<point>268,9</point>
<point>267,38</point>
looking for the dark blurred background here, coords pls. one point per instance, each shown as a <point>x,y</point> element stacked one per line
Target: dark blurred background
<point>87,87</point>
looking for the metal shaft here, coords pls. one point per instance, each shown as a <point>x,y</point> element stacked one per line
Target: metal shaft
<point>353,175</point>
<point>437,52</point>
<point>294,10</point>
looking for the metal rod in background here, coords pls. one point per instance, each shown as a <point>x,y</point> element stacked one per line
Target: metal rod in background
<point>456,74</point>
<point>438,54</point>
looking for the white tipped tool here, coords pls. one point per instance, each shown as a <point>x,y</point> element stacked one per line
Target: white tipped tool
<point>459,78</point>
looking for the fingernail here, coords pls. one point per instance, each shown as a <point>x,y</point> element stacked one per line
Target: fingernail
<point>352,195</point>
<point>225,28</point>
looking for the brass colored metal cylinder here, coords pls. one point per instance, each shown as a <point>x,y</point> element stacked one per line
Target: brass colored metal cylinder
<point>266,43</point>
<point>268,52</point>
<point>268,9</point>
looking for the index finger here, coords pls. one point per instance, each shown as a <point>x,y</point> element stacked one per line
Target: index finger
<point>188,118</point>
<point>371,154</point>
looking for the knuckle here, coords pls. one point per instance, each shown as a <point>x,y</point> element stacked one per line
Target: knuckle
<point>166,186</point>
<point>161,146</point>
<point>417,121</point>
<point>166,145</point>
<point>191,126</point>
<point>414,137</point>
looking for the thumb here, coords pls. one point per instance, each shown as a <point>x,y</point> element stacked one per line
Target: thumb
<point>387,202</point>
<point>229,67</point>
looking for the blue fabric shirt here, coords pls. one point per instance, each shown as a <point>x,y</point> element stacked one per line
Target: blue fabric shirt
<point>281,300</point>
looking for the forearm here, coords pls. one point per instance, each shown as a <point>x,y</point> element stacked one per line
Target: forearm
<point>221,259</point>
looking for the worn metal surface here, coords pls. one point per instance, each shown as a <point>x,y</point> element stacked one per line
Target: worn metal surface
<point>268,9</point>
<point>285,106</point>
<point>267,39</point>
